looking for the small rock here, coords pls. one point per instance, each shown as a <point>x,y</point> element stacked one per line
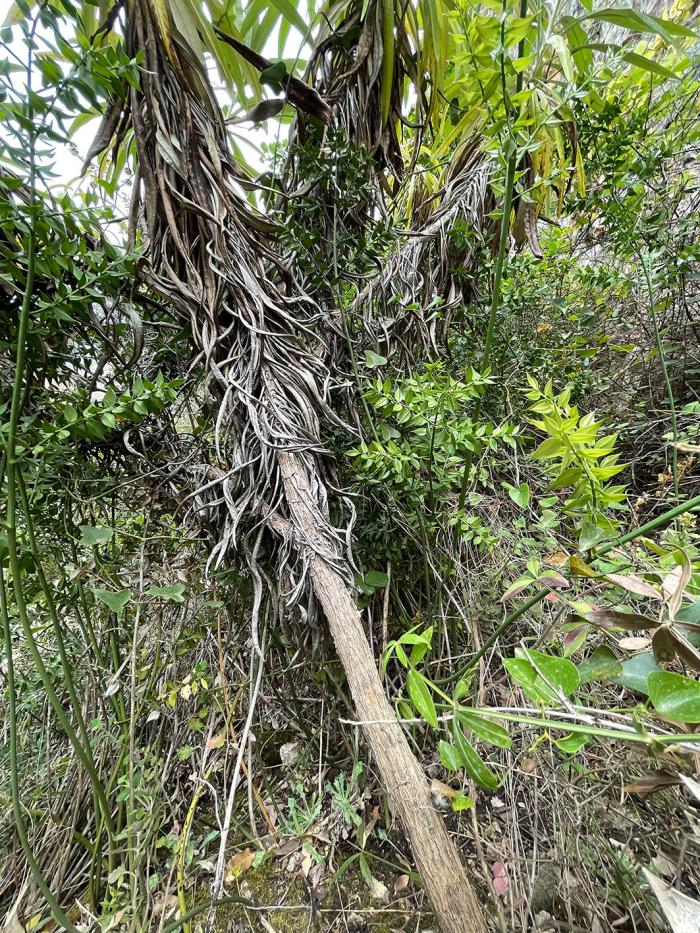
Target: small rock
<point>289,754</point>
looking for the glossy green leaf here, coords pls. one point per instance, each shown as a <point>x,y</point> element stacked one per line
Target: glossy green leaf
<point>602,664</point>
<point>552,447</point>
<point>485,729</point>
<point>571,743</point>
<point>419,692</point>
<point>552,675</point>
<point>636,671</point>
<point>675,696</point>
<point>449,756</point>
<point>471,761</point>
<point>274,75</point>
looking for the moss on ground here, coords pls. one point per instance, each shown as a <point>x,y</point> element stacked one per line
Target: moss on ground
<point>269,884</point>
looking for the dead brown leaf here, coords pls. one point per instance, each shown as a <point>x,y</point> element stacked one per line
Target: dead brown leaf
<point>649,783</point>
<point>239,863</point>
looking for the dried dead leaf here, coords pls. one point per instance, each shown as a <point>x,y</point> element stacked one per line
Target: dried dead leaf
<point>691,785</point>
<point>674,586</point>
<point>307,862</point>
<point>682,912</point>
<point>239,863</point>
<point>634,643</point>
<point>651,782</point>
<point>378,889</point>
<point>288,847</point>
<point>634,584</point>
<point>438,789</point>
<point>216,741</point>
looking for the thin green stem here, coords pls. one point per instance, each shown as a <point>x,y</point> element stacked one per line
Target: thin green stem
<point>53,615</point>
<point>664,369</point>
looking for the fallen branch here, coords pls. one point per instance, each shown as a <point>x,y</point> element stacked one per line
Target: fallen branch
<point>442,873</point>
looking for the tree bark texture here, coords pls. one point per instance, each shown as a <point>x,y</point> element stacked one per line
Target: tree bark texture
<point>442,872</point>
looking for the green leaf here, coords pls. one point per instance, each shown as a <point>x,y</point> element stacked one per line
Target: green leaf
<point>373,359</point>
<point>471,761</point>
<point>70,414</point>
<point>636,671</point>
<point>535,672</point>
<point>449,756</point>
<point>173,592</point>
<point>636,21</point>
<point>648,64</point>
<point>291,14</point>
<point>520,494</point>
<point>420,697</point>
<point>548,449</point>
<point>602,664</point>
<point>461,802</point>
<point>115,599</point>
<point>485,729</point>
<point>566,61</point>
<point>376,578</point>
<point>589,536</point>
<point>94,534</point>
<point>274,75</point>
<point>689,613</point>
<point>675,696</point>
<point>572,743</point>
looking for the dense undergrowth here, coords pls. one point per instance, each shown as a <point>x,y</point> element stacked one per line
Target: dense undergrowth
<point>516,428</point>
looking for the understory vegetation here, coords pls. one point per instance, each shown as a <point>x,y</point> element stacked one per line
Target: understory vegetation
<point>392,300</point>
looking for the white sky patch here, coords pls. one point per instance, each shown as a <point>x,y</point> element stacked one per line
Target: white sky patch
<point>66,160</point>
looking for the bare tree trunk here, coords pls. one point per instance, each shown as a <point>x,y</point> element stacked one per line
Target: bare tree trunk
<point>441,870</point>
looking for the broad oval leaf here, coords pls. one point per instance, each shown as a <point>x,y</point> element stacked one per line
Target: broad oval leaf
<point>93,535</point>
<point>590,535</point>
<point>554,675</point>
<point>373,359</point>
<point>602,664</point>
<point>635,672</point>
<point>675,696</point>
